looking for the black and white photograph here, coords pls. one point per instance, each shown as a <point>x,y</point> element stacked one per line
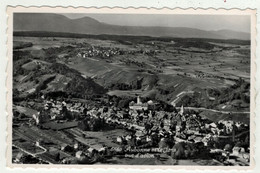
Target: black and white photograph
<point>131,89</point>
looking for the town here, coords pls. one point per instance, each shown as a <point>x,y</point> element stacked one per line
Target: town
<point>61,133</point>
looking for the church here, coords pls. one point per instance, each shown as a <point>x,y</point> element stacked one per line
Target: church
<point>138,105</point>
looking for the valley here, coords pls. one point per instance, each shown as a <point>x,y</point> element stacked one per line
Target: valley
<point>154,68</point>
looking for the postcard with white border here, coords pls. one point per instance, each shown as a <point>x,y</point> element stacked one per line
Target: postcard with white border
<point>131,88</point>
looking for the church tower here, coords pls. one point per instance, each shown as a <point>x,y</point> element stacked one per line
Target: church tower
<point>138,100</point>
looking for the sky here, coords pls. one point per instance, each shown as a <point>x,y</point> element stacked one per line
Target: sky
<point>204,22</point>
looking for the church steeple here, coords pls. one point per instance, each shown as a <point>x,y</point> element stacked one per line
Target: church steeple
<point>181,110</point>
<point>138,100</point>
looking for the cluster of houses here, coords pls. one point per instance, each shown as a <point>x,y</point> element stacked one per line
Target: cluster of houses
<point>101,52</point>
<point>56,110</point>
<point>188,128</point>
<point>150,128</point>
<point>107,52</point>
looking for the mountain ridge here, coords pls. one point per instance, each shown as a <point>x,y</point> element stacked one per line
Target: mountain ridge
<point>58,23</point>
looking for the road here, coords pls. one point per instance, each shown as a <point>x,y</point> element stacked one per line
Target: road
<point>213,110</point>
<point>179,96</point>
<point>202,108</point>
<point>236,136</point>
<point>33,154</point>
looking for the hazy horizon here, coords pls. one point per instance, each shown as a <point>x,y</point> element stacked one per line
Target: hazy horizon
<point>239,23</point>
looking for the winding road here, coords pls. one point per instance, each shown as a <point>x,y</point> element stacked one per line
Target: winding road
<point>213,110</point>
<point>202,108</point>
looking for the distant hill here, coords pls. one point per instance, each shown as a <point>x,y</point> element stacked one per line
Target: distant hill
<point>86,25</point>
